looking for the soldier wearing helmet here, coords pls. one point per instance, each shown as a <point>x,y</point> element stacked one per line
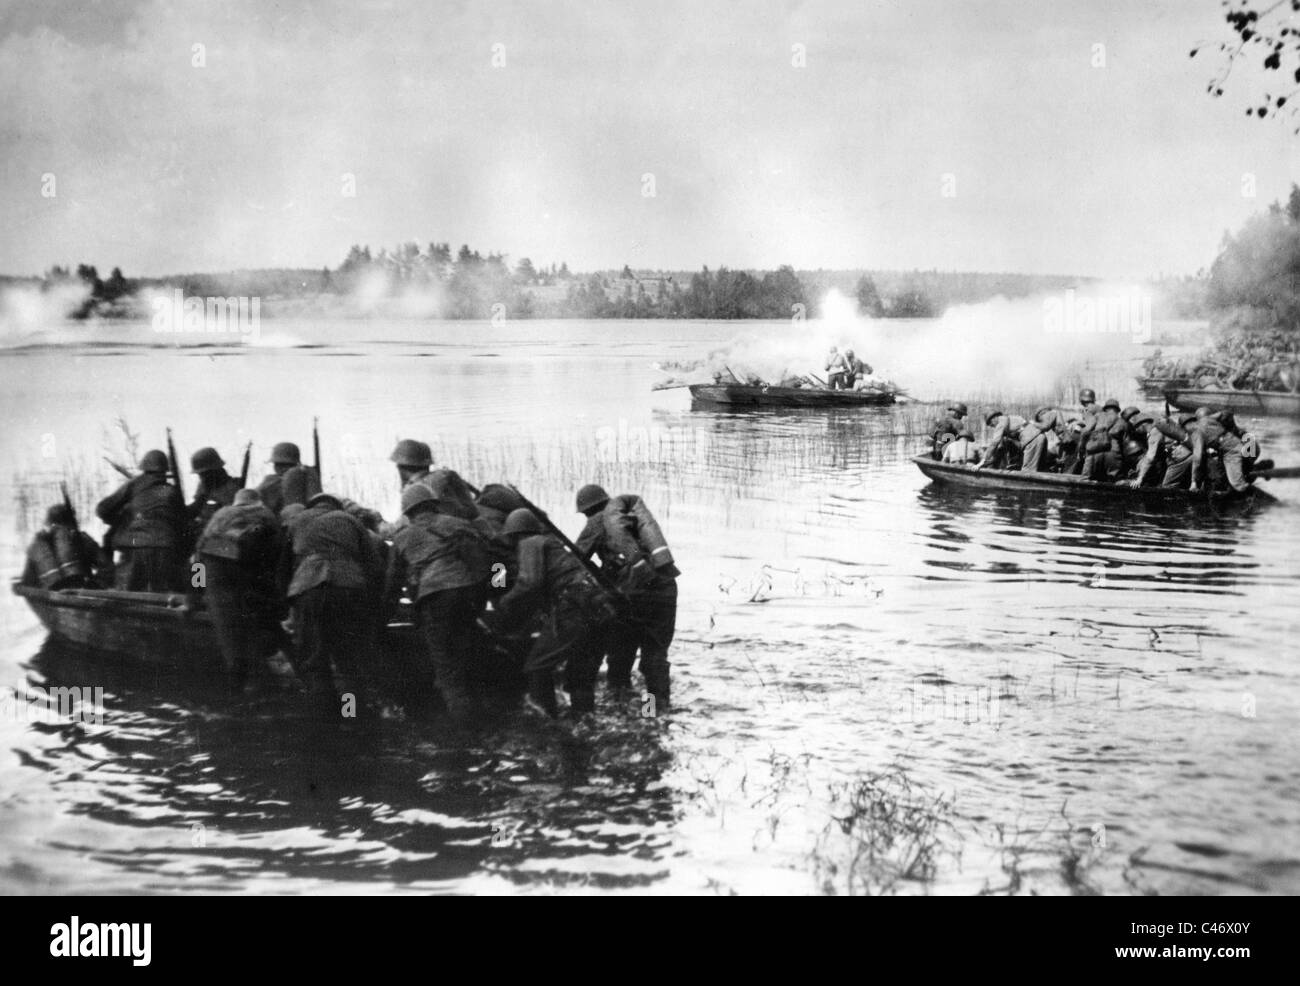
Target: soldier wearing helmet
<point>148,524</point>
<point>1102,441</point>
<point>555,594</point>
<point>627,540</point>
<point>414,460</point>
<point>217,488</point>
<point>948,427</point>
<point>241,549</point>
<point>444,564</point>
<point>1217,433</point>
<point>335,591</point>
<point>284,457</point>
<point>1016,443</point>
<point>61,556</point>
<point>854,368</point>
<point>1088,411</point>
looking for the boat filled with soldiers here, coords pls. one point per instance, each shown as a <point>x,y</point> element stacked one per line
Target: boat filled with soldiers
<point>1102,452</point>
<point>473,599</point>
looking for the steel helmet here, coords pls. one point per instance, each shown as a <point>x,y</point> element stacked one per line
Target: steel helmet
<point>205,459</point>
<point>495,496</point>
<point>329,498</point>
<point>995,414</point>
<point>1087,396</point>
<point>244,497</point>
<point>591,497</point>
<point>411,453</point>
<point>521,521</point>
<point>60,513</point>
<point>414,495</point>
<point>959,409</point>
<point>286,454</point>
<point>1111,405</point>
<point>1130,412</point>
<point>153,461</point>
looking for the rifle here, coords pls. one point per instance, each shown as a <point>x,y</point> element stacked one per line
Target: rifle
<point>243,472</point>
<point>67,503</point>
<point>601,578</point>
<point>120,468</point>
<point>315,441</point>
<point>175,464</point>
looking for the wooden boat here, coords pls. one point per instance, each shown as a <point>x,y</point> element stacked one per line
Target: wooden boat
<point>748,395</point>
<point>1156,386</point>
<point>160,630</point>
<point>1261,402</point>
<point>1057,484</point>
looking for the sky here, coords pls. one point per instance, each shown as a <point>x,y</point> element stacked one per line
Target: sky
<point>884,134</point>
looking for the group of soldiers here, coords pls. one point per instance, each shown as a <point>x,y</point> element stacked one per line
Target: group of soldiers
<point>1107,443</point>
<point>1238,361</point>
<point>287,567</point>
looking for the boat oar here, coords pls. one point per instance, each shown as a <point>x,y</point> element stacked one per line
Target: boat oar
<point>669,385</point>
<point>733,376</point>
<point>1277,472</point>
<point>176,466</point>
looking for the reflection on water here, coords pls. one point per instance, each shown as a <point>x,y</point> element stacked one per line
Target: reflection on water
<point>1059,669</point>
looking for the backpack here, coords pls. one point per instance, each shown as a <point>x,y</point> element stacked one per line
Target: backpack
<point>238,534</point>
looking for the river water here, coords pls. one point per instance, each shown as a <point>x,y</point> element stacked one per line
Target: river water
<point>1024,693</point>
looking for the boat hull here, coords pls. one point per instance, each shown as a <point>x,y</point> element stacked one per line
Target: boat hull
<point>1273,403</point>
<point>744,395</point>
<point>156,630</point>
<point>1056,484</point>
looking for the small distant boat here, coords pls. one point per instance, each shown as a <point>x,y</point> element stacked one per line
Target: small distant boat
<point>751,395</point>
<point>1008,480</point>
<point>1156,386</point>
<point>1277,403</point>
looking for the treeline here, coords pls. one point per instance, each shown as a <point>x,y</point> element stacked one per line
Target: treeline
<point>1254,283</point>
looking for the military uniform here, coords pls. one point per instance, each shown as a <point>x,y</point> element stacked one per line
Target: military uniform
<point>445,563</point>
<point>635,555</point>
<point>148,519</point>
<point>61,556</point>
<point>1016,443</point>
<point>240,549</point>
<point>1102,439</point>
<point>1212,433</point>
<point>555,592</point>
<point>337,571</point>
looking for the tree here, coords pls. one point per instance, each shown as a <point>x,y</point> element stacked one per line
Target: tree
<point>1266,26</point>
<point>869,302</point>
<point>525,273</point>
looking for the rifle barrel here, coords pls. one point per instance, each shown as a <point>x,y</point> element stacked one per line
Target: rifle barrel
<point>591,568</point>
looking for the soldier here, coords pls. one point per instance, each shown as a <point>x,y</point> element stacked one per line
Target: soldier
<point>945,429</point>
<point>633,552</point>
<point>961,450</point>
<point>1015,444</point>
<point>284,456</point>
<point>414,461</point>
<point>1149,460</point>
<point>445,563</point>
<point>61,556</point>
<point>148,517</point>
<point>337,567</point>
<point>1213,432</point>
<point>557,594</point>
<point>836,368</point>
<point>853,369</point>
<point>217,488</point>
<point>1088,411</point>
<point>240,550</point>
<point>1176,445</point>
<point>1101,439</point>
